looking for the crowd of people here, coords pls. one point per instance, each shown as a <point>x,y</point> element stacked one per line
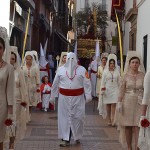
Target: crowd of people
<point>123,99</point>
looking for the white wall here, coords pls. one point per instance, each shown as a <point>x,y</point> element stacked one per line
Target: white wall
<point>4,14</point>
<point>128,6</point>
<point>126,26</point>
<point>127,29</point>
<point>143,28</point>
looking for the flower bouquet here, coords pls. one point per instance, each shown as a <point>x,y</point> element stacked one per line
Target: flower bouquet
<point>23,104</point>
<point>38,90</point>
<point>10,124</point>
<point>145,124</point>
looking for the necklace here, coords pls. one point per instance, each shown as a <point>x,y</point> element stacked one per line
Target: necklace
<point>1,64</point>
<point>112,77</point>
<point>73,76</point>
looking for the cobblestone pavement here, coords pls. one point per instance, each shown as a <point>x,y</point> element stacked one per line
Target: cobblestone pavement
<point>42,133</point>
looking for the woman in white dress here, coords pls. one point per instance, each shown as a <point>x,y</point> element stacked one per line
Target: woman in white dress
<point>101,107</point>
<point>20,96</point>
<point>110,87</point>
<point>32,79</point>
<point>6,87</point>
<point>144,138</point>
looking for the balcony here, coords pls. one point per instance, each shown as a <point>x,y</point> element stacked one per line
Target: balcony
<point>131,15</point>
<point>25,4</point>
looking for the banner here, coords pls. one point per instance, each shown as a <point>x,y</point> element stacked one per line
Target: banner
<point>119,6</point>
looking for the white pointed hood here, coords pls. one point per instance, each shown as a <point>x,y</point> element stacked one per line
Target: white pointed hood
<point>42,60</point>
<point>71,65</point>
<point>97,51</point>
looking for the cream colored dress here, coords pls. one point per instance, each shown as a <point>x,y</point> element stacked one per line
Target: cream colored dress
<point>32,80</point>
<point>101,107</point>
<point>131,92</point>
<point>20,96</point>
<point>6,95</point>
<point>99,78</point>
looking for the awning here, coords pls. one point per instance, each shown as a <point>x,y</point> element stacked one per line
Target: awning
<point>63,38</point>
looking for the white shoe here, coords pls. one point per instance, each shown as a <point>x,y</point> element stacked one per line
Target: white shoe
<point>45,109</point>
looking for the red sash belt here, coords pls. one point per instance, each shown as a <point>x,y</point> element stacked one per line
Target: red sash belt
<point>47,92</point>
<point>43,70</point>
<point>71,92</point>
<point>92,71</point>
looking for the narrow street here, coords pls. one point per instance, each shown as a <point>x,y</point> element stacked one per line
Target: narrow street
<point>42,133</point>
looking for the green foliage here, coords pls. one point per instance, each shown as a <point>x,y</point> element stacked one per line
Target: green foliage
<point>83,17</point>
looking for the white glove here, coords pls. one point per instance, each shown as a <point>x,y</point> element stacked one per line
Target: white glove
<point>119,107</point>
<point>88,99</point>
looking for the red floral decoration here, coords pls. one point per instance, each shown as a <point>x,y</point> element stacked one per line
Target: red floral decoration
<point>145,123</point>
<point>24,104</point>
<point>38,90</point>
<point>8,122</point>
<point>103,89</point>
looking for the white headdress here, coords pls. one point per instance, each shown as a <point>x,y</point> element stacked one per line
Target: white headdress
<point>29,53</point>
<point>42,60</point>
<point>71,64</point>
<point>4,36</point>
<point>14,49</point>
<point>104,55</point>
<point>61,58</point>
<point>131,54</point>
<point>112,56</point>
<point>36,56</point>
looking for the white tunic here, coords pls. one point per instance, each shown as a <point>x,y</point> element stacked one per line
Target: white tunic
<point>45,96</point>
<point>94,67</point>
<point>110,81</point>
<point>71,109</point>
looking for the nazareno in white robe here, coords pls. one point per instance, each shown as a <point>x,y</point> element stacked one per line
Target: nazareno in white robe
<point>94,67</point>
<point>71,109</point>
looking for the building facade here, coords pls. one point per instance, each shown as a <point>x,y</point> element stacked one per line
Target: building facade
<point>143,30</point>
<point>18,20</point>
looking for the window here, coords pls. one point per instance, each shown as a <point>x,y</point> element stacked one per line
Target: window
<point>145,38</point>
